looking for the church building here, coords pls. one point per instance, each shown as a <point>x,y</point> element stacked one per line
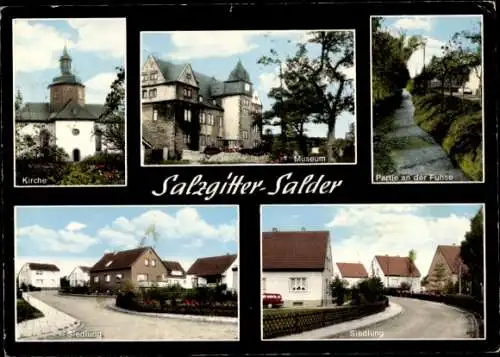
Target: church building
<point>187,110</point>
<point>66,120</point>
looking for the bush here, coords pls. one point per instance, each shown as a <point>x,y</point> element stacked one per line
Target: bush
<point>286,322</point>
<point>26,312</point>
<point>19,294</point>
<point>211,150</point>
<point>33,288</point>
<point>24,287</point>
<point>371,289</point>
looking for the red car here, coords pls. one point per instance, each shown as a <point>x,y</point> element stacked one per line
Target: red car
<point>272,300</point>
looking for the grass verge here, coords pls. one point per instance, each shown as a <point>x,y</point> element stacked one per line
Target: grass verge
<point>26,312</point>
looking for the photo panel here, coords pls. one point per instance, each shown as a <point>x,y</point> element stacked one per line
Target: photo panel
<point>248,97</point>
<point>126,273</point>
<point>69,86</point>
<point>427,99</point>
<point>373,272</point>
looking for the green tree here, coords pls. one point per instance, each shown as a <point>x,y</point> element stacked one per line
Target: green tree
<point>471,252</point>
<point>412,257</point>
<point>372,289</point>
<point>18,103</point>
<point>113,115</point>
<point>338,288</point>
<point>151,232</point>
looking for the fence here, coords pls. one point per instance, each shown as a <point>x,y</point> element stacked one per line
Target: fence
<point>286,322</point>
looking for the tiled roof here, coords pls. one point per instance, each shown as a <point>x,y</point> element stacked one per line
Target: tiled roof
<point>239,73</point>
<point>43,267</point>
<point>451,254</point>
<point>118,260</point>
<point>294,250</point>
<point>397,266</point>
<point>40,112</point>
<point>170,71</point>
<point>352,270</point>
<point>73,110</point>
<point>174,266</point>
<point>210,266</point>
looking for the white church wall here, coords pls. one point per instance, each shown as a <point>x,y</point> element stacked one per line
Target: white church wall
<point>84,141</point>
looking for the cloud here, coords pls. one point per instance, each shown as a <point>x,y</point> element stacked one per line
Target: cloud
<point>416,62</point>
<point>393,230</point>
<point>38,45</point>
<point>414,23</point>
<point>75,226</point>
<point>97,87</point>
<point>185,224</point>
<point>50,240</point>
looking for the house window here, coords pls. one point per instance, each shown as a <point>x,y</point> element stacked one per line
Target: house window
<point>152,93</point>
<point>119,276</point>
<point>107,278</point>
<point>108,263</point>
<point>187,139</point>
<point>210,119</point>
<point>244,134</point>
<point>203,140</point>
<point>187,115</point>
<point>214,102</point>
<point>96,279</point>
<point>247,87</point>
<point>202,118</point>
<point>194,282</point>
<point>144,77</point>
<point>146,262</point>
<point>144,94</point>
<point>155,115</point>
<point>221,121</point>
<point>153,262</point>
<point>39,273</point>
<point>200,98</point>
<point>142,277</point>
<point>154,76</point>
<point>188,76</point>
<point>188,92</point>
<point>298,284</point>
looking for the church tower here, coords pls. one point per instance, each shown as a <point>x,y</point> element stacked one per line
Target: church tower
<point>238,82</point>
<point>66,87</point>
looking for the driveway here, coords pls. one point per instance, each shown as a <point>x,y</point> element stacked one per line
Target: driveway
<point>101,322</point>
<point>419,319</point>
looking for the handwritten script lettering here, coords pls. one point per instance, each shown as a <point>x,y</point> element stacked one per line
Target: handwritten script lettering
<point>286,184</point>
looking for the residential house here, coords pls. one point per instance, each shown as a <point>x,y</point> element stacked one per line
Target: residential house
<point>175,274</point>
<point>395,270</point>
<point>210,271</point>
<point>183,109</point>
<point>40,275</point>
<point>141,266</point>
<point>66,120</point>
<point>298,265</point>
<point>79,276</point>
<point>352,273</point>
<point>446,265</point>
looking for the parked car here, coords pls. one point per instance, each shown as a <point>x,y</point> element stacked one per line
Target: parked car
<point>272,300</point>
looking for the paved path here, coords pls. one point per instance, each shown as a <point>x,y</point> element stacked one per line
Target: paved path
<point>415,152</point>
<point>419,320</point>
<point>100,322</point>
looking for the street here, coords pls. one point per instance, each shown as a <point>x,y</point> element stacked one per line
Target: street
<point>419,319</point>
<point>101,322</point>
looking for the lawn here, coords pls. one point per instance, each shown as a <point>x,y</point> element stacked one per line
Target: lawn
<point>26,312</point>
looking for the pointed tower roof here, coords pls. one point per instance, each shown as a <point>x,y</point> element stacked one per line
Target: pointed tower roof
<point>66,76</point>
<point>239,73</point>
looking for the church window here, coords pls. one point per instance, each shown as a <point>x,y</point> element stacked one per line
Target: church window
<point>44,138</point>
<point>187,115</point>
<point>155,115</point>
<point>98,141</point>
<point>75,131</point>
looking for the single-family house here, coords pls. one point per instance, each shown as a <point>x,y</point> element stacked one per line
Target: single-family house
<point>396,270</point>
<point>141,266</point>
<point>352,273</point>
<point>446,265</point>
<point>210,271</point>
<point>298,266</point>
<point>175,274</point>
<point>79,276</point>
<point>40,275</point>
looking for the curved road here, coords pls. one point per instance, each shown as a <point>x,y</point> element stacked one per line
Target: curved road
<point>419,319</point>
<point>101,322</point>
<point>415,152</point>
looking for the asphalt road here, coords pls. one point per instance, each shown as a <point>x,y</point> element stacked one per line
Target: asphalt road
<point>101,322</point>
<point>419,320</point>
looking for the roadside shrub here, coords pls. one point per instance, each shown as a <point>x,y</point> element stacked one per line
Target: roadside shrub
<point>24,287</point>
<point>211,150</point>
<point>371,289</point>
<point>33,288</point>
<point>19,294</point>
<point>26,312</point>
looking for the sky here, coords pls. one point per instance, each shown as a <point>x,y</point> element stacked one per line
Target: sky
<point>359,232</point>
<point>437,30</point>
<point>96,46</point>
<point>71,236</point>
<point>215,53</point>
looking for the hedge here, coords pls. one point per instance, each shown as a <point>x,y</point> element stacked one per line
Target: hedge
<point>126,301</point>
<point>287,322</point>
<point>26,312</point>
<point>465,302</point>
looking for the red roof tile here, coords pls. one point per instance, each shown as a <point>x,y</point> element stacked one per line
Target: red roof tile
<point>294,250</point>
<point>397,266</point>
<point>43,267</point>
<point>210,266</point>
<point>118,260</point>
<point>451,254</point>
<point>352,270</point>
<point>174,266</point>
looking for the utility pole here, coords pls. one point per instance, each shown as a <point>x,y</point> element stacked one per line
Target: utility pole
<point>459,279</point>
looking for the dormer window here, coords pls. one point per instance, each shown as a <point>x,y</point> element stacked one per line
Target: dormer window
<point>154,76</point>
<point>188,76</point>
<point>200,98</point>
<point>153,263</point>
<point>214,102</point>
<point>109,263</point>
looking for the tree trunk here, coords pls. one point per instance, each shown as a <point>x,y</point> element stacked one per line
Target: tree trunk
<point>330,141</point>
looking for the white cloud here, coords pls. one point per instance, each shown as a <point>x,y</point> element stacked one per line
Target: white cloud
<point>268,80</point>
<point>75,226</point>
<point>97,87</point>
<point>393,230</point>
<point>65,265</point>
<point>414,23</point>
<point>50,240</point>
<point>416,62</point>
<point>185,224</point>
<point>37,45</point>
